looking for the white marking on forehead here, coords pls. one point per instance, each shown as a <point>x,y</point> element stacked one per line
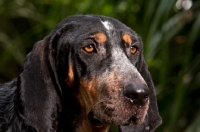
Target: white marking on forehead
<point>107,25</point>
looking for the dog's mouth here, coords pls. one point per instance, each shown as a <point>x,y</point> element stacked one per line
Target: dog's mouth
<point>99,121</point>
<point>94,120</point>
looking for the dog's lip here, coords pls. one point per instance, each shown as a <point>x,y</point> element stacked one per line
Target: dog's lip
<point>97,123</point>
<point>136,119</point>
<point>132,120</point>
<point>94,120</point>
<point>127,122</point>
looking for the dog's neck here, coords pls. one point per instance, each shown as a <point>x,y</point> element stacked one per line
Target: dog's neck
<point>85,125</point>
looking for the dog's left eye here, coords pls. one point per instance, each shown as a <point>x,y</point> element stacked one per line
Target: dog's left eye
<point>133,49</point>
<point>89,48</point>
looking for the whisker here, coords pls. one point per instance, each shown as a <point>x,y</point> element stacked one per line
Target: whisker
<point>104,99</point>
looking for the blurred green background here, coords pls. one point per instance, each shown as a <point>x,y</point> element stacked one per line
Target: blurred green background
<point>170,30</point>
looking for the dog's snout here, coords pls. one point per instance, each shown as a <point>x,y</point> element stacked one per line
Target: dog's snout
<point>137,93</point>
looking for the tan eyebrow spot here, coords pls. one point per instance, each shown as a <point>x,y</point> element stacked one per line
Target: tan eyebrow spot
<point>100,37</point>
<point>127,38</point>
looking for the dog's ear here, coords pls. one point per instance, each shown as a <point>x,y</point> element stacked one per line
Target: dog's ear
<point>38,98</point>
<point>38,94</point>
<point>152,119</point>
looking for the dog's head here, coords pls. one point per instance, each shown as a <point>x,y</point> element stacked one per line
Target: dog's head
<point>97,62</point>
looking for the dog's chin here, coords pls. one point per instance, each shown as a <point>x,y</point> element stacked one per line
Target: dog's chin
<point>99,122</point>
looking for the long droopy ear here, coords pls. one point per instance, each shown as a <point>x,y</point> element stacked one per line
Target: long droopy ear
<point>152,119</point>
<point>38,95</point>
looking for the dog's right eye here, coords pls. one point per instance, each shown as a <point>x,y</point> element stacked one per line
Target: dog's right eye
<point>133,50</point>
<point>89,48</point>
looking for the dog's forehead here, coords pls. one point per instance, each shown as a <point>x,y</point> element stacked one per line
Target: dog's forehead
<point>108,25</point>
<point>112,24</point>
<point>80,27</point>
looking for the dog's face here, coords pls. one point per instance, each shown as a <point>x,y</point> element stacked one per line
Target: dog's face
<point>89,73</point>
<point>102,70</point>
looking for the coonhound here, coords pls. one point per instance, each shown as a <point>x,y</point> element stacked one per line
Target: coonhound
<point>86,75</point>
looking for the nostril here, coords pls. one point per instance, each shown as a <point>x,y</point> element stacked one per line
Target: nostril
<point>146,96</point>
<point>130,94</point>
<point>137,93</point>
<point>135,96</point>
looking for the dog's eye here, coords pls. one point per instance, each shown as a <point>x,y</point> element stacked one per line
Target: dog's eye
<point>133,50</point>
<point>89,48</point>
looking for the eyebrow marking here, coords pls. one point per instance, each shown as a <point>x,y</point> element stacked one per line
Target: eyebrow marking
<point>107,25</point>
<point>100,37</point>
<point>127,38</point>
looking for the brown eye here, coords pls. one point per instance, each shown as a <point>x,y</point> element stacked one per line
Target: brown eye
<point>89,48</point>
<point>133,50</point>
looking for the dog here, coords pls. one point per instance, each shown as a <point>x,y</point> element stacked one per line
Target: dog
<point>89,73</point>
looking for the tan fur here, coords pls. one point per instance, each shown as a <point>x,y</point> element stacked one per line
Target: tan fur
<point>70,79</point>
<point>100,37</point>
<point>88,94</point>
<point>88,98</point>
<point>71,74</point>
<point>127,38</point>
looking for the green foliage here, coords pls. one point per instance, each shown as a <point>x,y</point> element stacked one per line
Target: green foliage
<point>171,46</point>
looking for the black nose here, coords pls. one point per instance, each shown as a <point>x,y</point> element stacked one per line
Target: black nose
<point>137,93</point>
